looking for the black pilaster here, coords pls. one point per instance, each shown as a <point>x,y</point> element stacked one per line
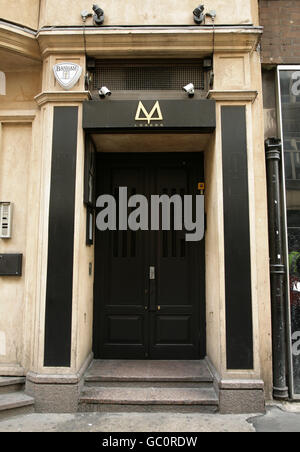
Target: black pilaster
<point>58,320</point>
<point>239,331</point>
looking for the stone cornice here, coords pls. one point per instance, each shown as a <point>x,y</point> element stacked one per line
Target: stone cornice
<point>17,116</point>
<point>129,42</point>
<point>153,42</point>
<point>19,42</point>
<point>233,95</point>
<point>61,96</point>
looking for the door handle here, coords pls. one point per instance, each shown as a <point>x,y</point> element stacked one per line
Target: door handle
<point>157,308</point>
<point>152,273</point>
<point>152,287</point>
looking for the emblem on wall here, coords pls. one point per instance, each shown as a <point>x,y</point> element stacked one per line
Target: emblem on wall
<point>67,74</point>
<point>143,115</point>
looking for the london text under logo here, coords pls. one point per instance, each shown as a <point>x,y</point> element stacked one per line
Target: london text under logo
<point>143,115</point>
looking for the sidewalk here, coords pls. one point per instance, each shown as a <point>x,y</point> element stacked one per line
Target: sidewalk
<point>279,418</point>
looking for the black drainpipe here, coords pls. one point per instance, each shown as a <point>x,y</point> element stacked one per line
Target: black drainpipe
<point>277,269</point>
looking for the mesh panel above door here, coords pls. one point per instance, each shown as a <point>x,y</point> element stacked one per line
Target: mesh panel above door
<point>132,76</point>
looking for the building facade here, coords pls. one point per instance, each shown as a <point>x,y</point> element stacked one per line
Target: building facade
<point>69,293</point>
<point>280,59</point>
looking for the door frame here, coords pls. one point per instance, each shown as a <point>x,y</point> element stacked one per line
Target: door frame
<point>200,263</point>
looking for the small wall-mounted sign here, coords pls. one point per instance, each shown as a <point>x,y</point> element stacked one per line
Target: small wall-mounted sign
<point>67,74</point>
<point>5,220</point>
<point>198,115</point>
<point>11,264</point>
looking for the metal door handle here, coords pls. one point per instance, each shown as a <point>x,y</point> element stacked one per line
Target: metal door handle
<point>152,288</point>
<point>152,273</point>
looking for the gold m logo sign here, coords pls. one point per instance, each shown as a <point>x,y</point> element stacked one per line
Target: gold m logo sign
<point>154,115</point>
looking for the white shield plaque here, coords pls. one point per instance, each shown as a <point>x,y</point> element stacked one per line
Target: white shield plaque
<point>67,74</point>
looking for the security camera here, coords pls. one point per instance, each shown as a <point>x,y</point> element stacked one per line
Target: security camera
<point>104,91</point>
<point>190,89</point>
<point>85,14</point>
<point>212,14</point>
<point>99,15</point>
<point>199,15</point>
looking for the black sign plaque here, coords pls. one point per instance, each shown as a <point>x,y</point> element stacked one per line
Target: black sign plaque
<point>193,115</point>
<point>11,264</point>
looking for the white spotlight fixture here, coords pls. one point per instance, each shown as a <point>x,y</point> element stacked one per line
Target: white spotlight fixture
<point>189,89</point>
<point>104,91</point>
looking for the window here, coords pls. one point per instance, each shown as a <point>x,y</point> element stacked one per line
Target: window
<point>289,86</point>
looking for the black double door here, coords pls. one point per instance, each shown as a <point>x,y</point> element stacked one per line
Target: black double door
<point>149,285</point>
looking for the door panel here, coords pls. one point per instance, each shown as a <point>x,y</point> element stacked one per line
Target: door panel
<point>120,262</point>
<point>137,317</point>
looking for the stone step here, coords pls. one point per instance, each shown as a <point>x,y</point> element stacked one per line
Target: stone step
<point>146,384</point>
<point>15,403</point>
<point>148,399</point>
<point>122,371</point>
<point>11,384</point>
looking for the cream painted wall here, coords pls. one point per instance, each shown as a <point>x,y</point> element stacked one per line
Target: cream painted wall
<point>25,12</point>
<point>21,88</point>
<point>133,12</point>
<point>233,75</point>
<point>213,250</point>
<point>83,288</point>
<point>233,71</point>
<point>260,231</point>
<point>15,154</point>
<point>147,12</point>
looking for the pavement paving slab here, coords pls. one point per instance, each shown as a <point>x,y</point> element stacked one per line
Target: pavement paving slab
<point>127,422</point>
<point>279,418</point>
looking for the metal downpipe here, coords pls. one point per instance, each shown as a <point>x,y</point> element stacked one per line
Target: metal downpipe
<point>277,269</point>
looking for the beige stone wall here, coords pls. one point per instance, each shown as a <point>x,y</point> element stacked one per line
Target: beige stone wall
<point>19,184</point>
<point>213,249</point>
<point>83,299</point>
<point>25,12</point>
<point>21,88</point>
<point>260,230</point>
<point>147,12</point>
<point>133,12</point>
<point>49,82</point>
<point>25,155</point>
<point>82,310</point>
<point>15,156</point>
<point>238,82</point>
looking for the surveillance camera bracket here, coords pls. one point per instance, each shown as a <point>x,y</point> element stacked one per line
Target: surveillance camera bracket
<point>85,15</point>
<point>199,15</point>
<point>212,14</point>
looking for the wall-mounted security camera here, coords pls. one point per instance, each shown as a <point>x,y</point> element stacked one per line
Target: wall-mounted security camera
<point>199,16</point>
<point>189,89</point>
<point>104,91</point>
<point>99,15</point>
<point>85,15</point>
<point>212,14</point>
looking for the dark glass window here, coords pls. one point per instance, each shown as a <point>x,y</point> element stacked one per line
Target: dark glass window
<point>290,110</point>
